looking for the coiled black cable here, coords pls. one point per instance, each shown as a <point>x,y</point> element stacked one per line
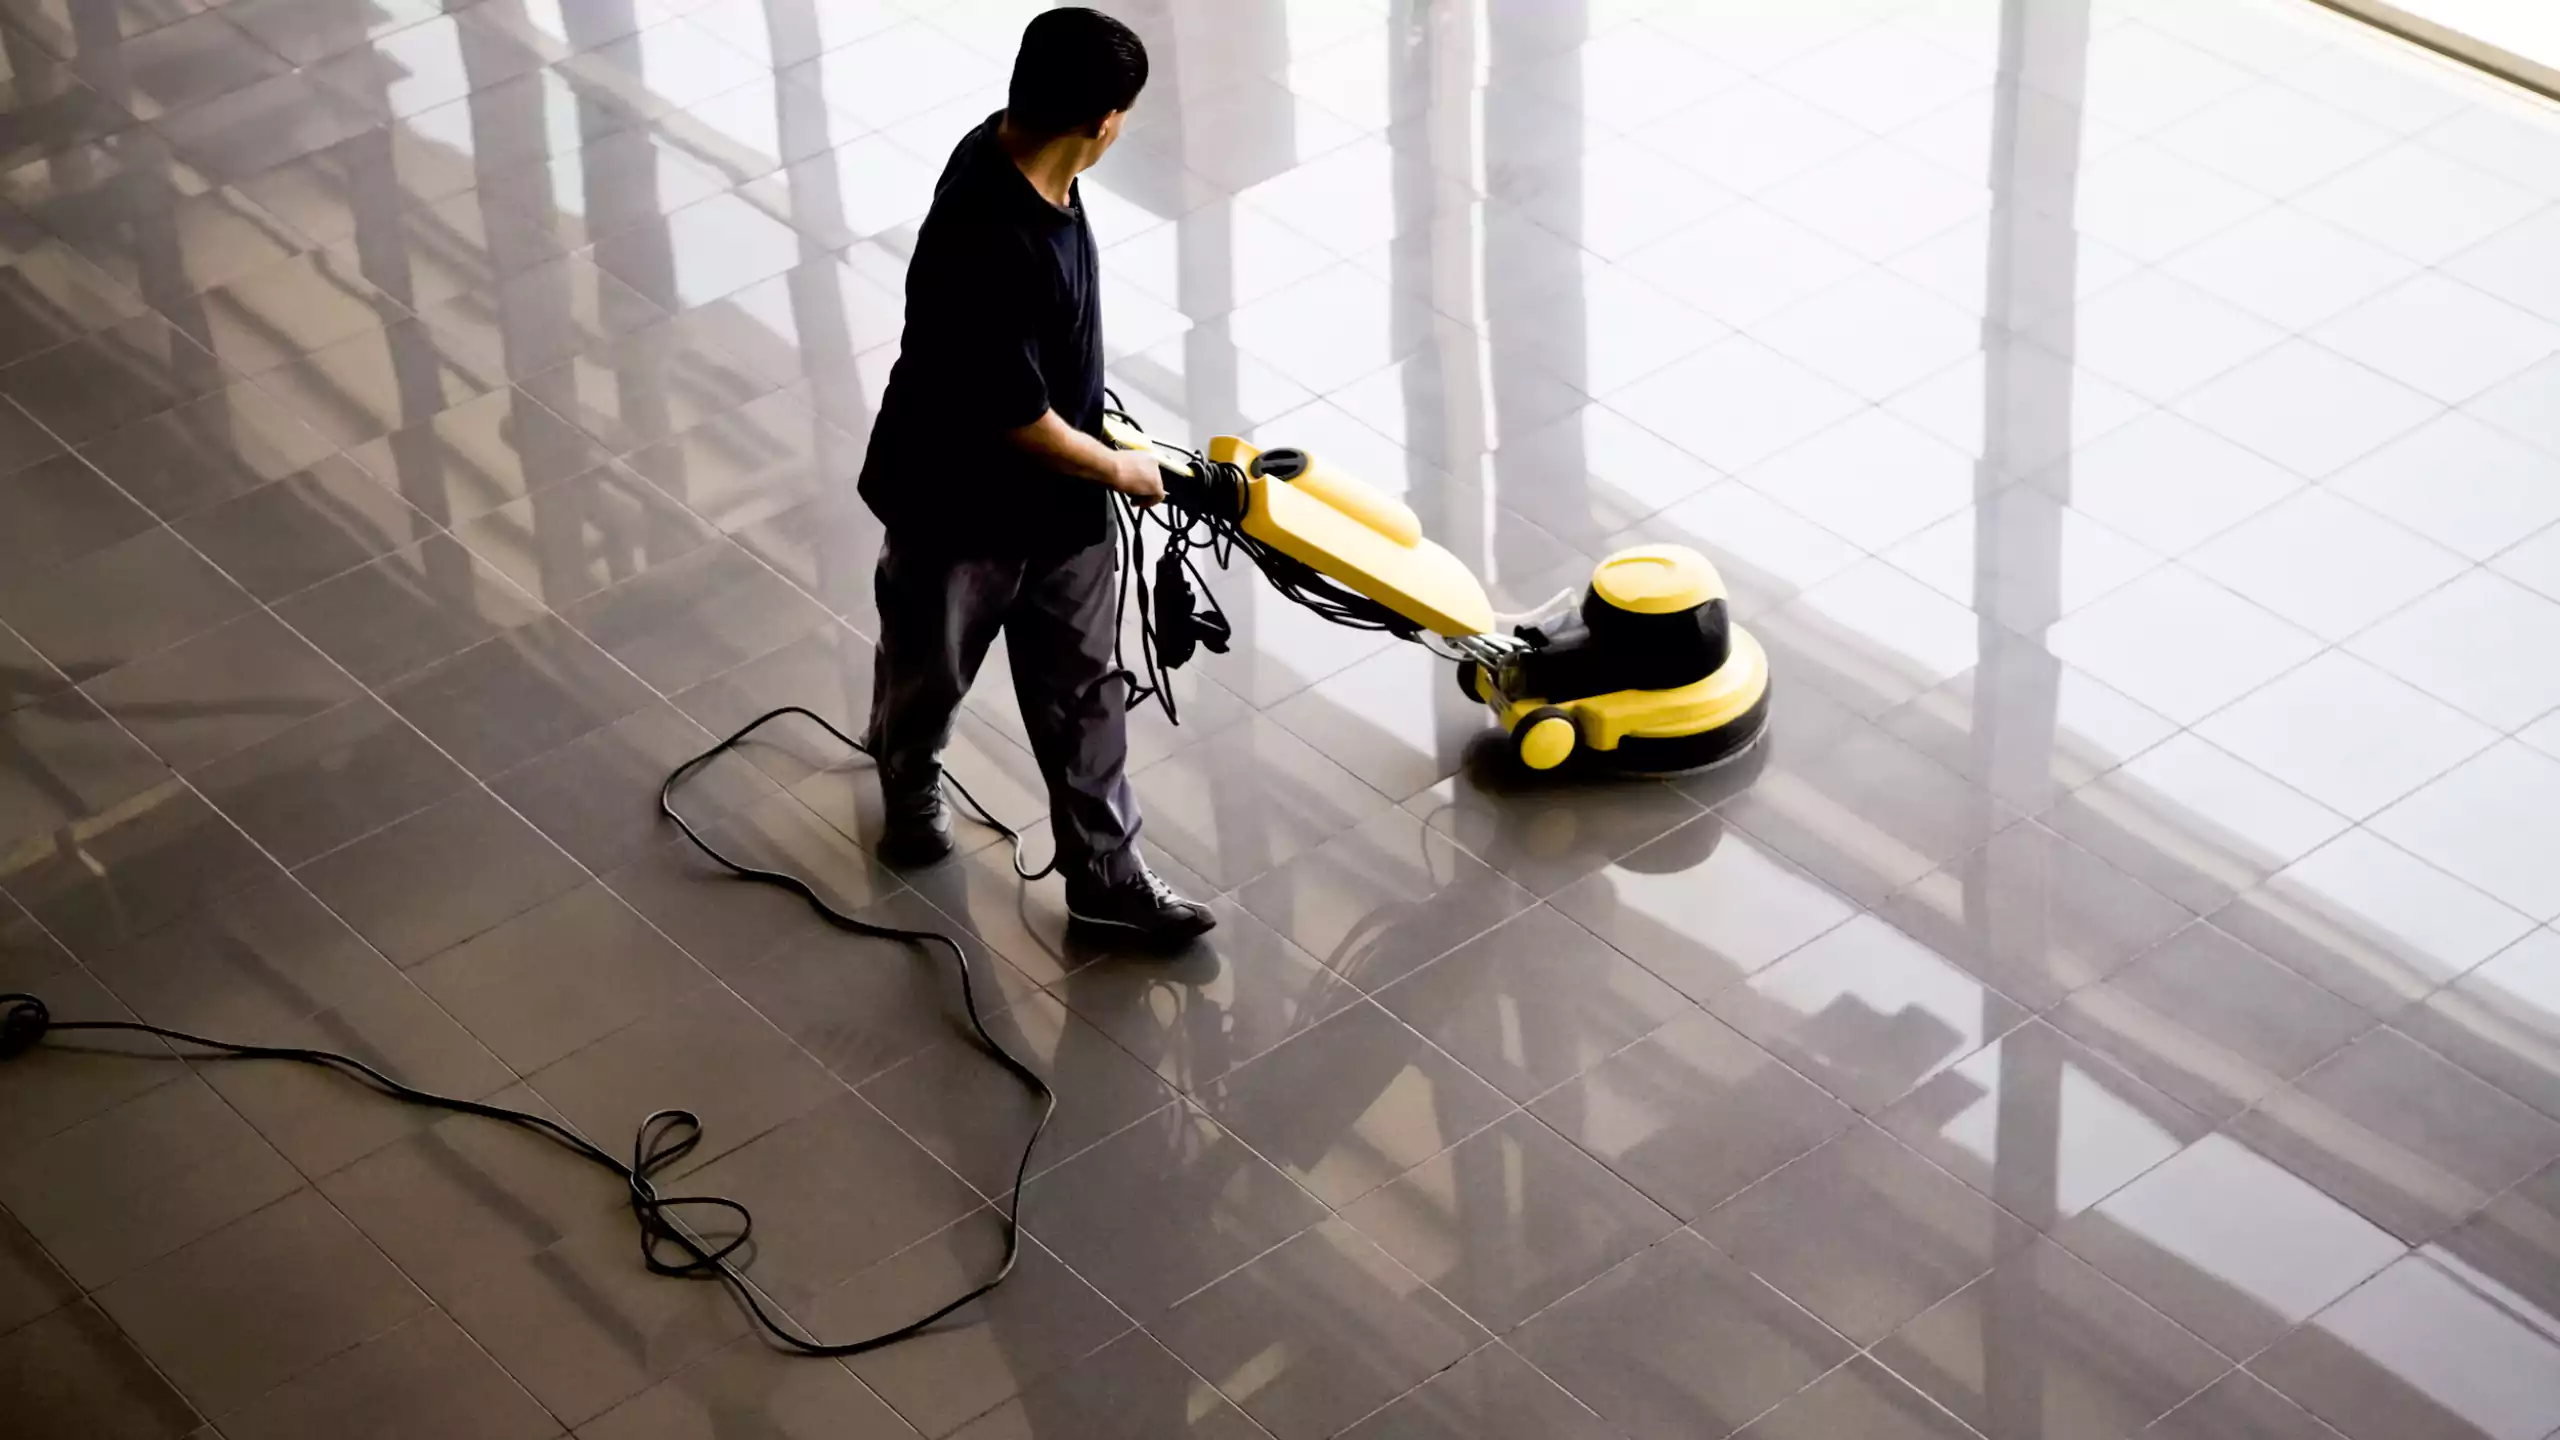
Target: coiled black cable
<point>667,1246</point>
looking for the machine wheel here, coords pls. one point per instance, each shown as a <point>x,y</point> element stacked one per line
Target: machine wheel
<point>1470,678</point>
<point>1544,738</point>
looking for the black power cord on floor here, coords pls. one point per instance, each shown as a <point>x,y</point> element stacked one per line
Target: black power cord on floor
<point>666,1136</point>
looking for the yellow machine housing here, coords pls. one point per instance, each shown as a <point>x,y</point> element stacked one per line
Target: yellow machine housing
<point>1361,536</point>
<point>1646,675</point>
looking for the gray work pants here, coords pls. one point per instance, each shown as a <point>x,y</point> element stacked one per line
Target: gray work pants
<point>939,614</point>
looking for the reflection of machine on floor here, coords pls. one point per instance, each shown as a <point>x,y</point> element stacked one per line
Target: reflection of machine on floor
<point>1644,674</point>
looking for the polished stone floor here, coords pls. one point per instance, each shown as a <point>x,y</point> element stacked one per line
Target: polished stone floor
<point>2122,998</point>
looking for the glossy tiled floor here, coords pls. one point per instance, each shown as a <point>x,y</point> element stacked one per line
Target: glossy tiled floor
<point>2121,1000</point>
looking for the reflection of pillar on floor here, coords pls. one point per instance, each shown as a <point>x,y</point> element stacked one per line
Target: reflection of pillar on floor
<point>818,322</point>
<point>2017,559</point>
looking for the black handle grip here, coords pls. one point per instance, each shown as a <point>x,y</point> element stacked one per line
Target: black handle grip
<point>1212,490</point>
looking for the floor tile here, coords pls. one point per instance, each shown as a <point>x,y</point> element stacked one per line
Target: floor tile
<point>564,973</point>
<point>478,456</point>
<point>2403,1135</point>
<point>2149,1366</point>
<point>1042,1322</point>
<point>90,1380</point>
<point>2210,1021</point>
<point>467,1197</point>
<point>102,1215</point>
<point>2469,620</point>
<point>2239,1406</point>
<point>691,619</point>
<point>1588,1000</point>
<point>60,510</point>
<point>1867,1012</point>
<point>2057,728</point>
<point>2500,266</point>
<point>1744,263</point>
<point>2229,1244</point>
<point>2276,140</point>
<point>1131,1387</point>
<point>956,1101</point>
<point>2418,202</point>
<point>835,1190</point>
<point>2347,734</point>
<point>425,1370</point>
<point>320,1285</point>
<point>1704,906</point>
<point>440,876</point>
<point>2167,483</point>
<point>582,1326</point>
<point>55,1089</point>
<point>1394,720</point>
<point>1832,1232</point>
<point>1559,1221</point>
<point>2034,915</point>
<point>2440,336</point>
<point>1871,479</point>
<point>1491,1395</point>
<point>2233,825</point>
<point>2287,267</point>
<point>310,526</point>
<point>1383,899</point>
<point>1244,991</point>
<point>747,1381</point>
<point>728,924</point>
<point>2416,1351</point>
<point>2502,797</point>
<point>2162,339</point>
<point>32,1285</point>
<point>1295,1302</point>
<point>409,609</point>
<point>120,603</point>
<point>2500,1021</point>
<point>155,856</point>
<point>1868,815</point>
<point>1735,403</point>
<point>213,449</point>
<point>597,797</point>
<point>2372,923</point>
<point>328,780</point>
<point>131,372</point>
<point>2042,1125</point>
<point>1677,1337</point>
<point>1693,1114</point>
<point>2459,482</point>
<point>517,696</point>
<point>208,697</point>
<point>1352,1104</point>
<point>1859,1398</point>
<point>2183,643</point>
<point>2307,408</point>
<point>2319,562</point>
<point>1128,1214</point>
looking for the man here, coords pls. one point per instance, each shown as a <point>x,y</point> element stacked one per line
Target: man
<point>986,471</point>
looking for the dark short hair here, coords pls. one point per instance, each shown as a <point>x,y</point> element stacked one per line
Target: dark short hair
<point>1075,66</point>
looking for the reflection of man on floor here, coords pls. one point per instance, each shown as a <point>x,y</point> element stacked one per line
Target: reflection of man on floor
<point>986,470</point>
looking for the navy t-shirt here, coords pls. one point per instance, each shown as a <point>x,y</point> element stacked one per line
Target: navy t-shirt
<point>1004,321</point>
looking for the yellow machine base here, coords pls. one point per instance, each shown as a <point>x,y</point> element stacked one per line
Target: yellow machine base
<point>1646,732</point>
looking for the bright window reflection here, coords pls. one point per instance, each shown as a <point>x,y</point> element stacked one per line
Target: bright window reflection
<point>2529,28</point>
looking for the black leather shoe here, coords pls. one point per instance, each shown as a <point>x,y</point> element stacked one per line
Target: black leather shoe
<point>1141,908</point>
<point>916,836</point>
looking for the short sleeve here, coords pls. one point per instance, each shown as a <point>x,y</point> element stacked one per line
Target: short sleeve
<point>988,331</point>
